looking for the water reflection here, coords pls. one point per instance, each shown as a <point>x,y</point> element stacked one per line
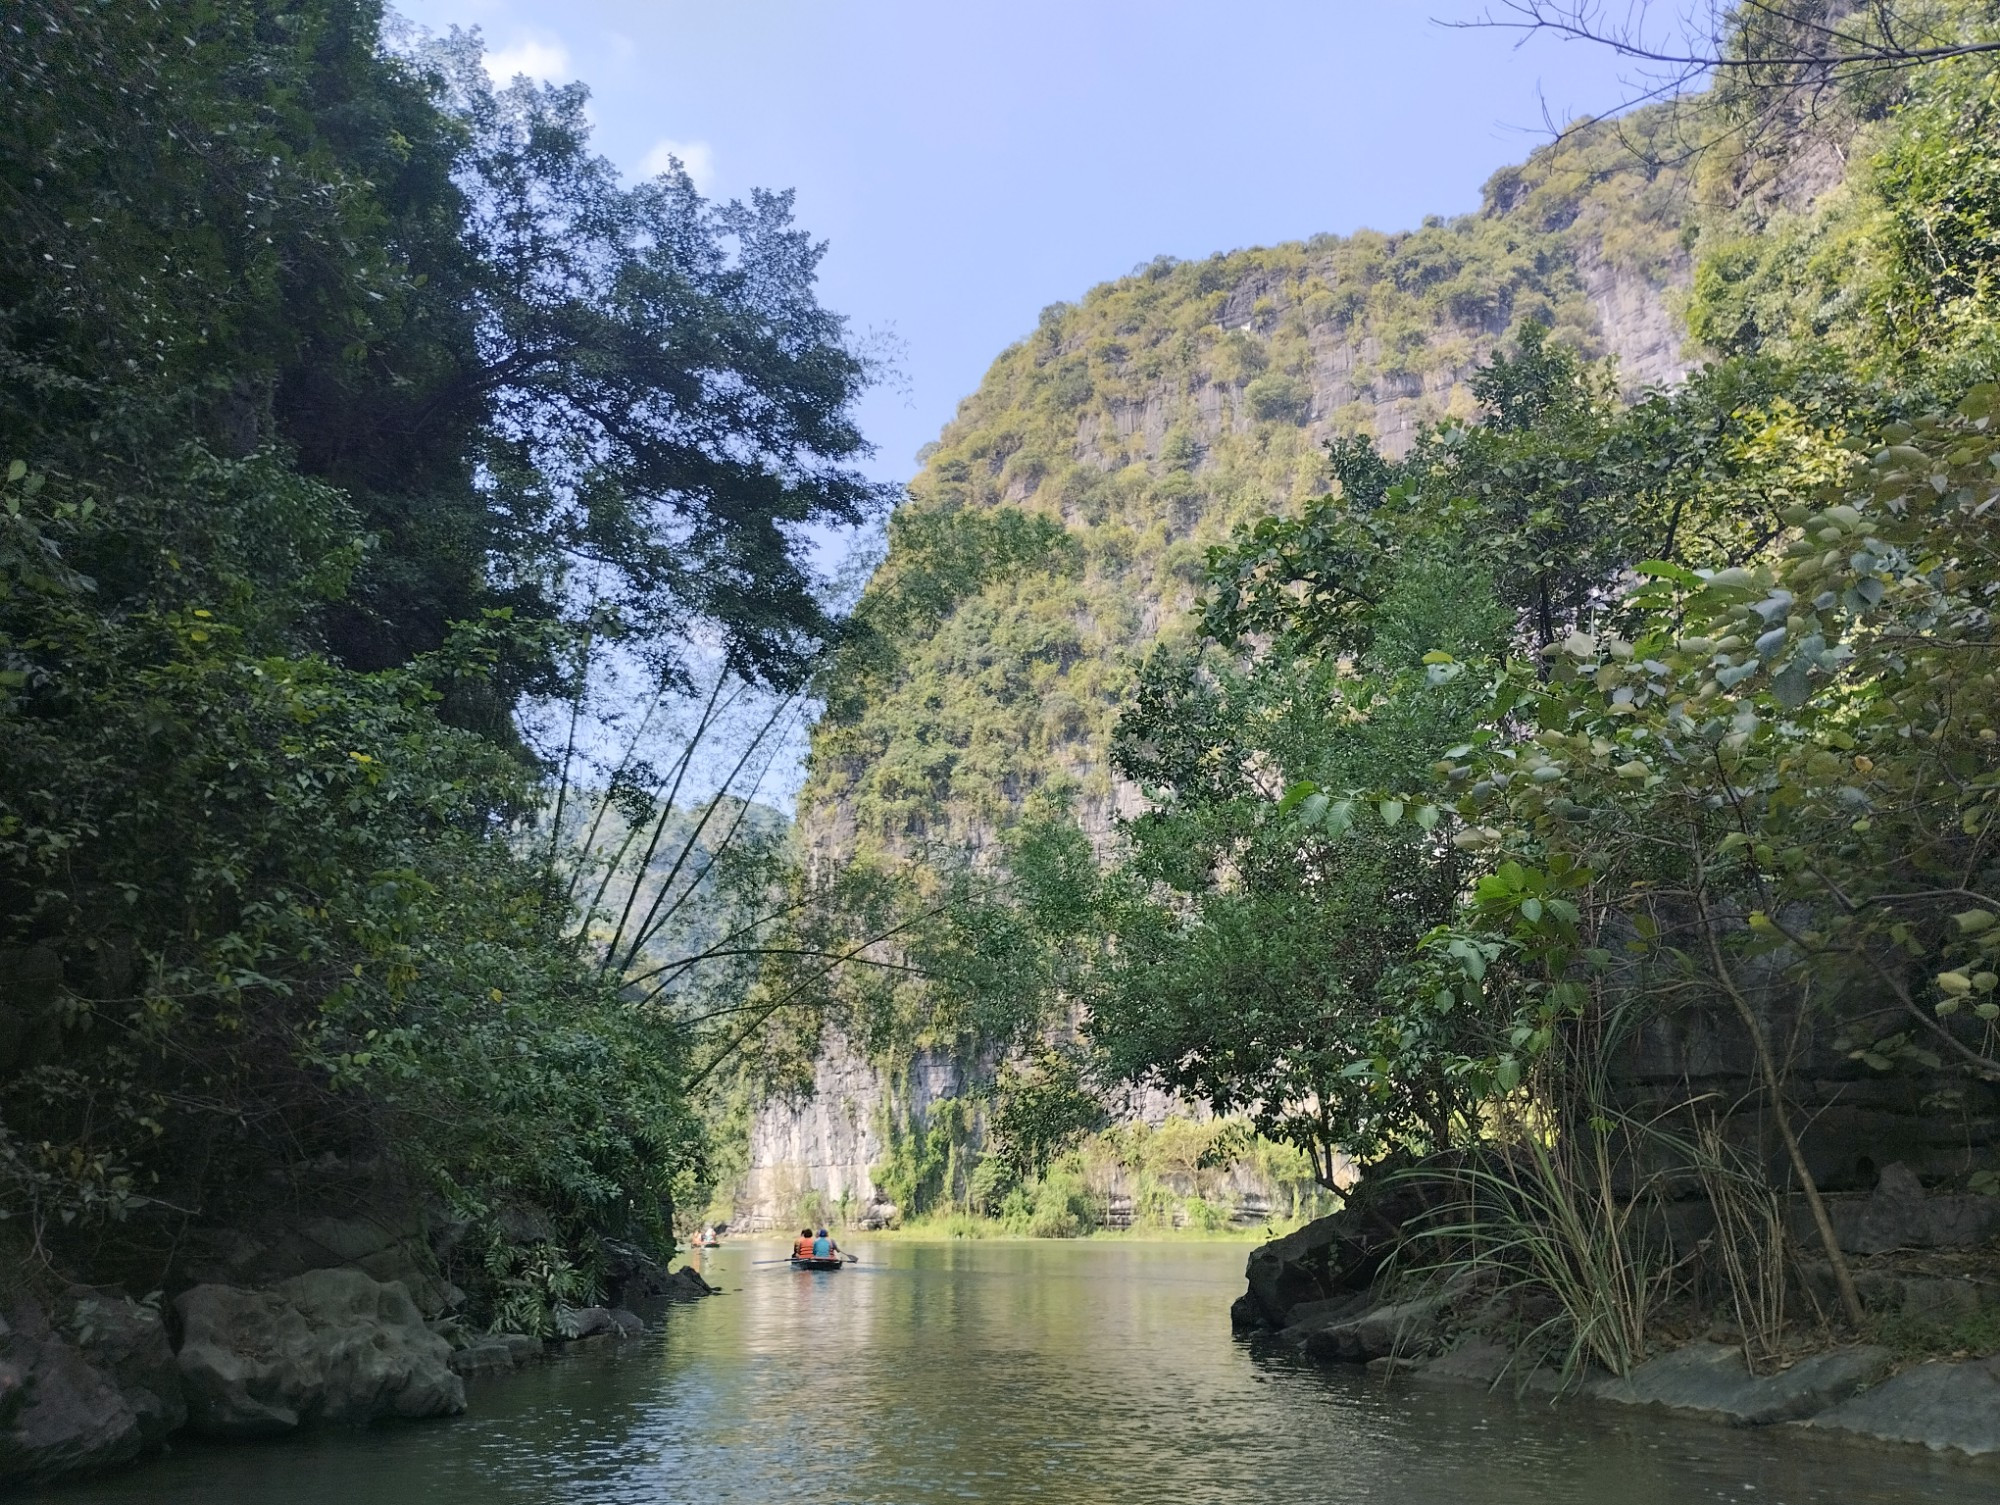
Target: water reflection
<point>1012,1372</point>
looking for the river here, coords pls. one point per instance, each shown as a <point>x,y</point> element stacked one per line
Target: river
<point>1090,1372</point>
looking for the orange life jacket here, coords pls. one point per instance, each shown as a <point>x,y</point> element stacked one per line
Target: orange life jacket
<point>802,1248</point>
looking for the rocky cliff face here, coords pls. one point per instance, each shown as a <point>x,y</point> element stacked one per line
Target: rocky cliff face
<point>1150,419</point>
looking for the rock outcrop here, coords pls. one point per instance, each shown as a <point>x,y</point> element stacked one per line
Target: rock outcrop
<point>326,1346</point>
<point>1953,1407</point>
<point>97,1392</point>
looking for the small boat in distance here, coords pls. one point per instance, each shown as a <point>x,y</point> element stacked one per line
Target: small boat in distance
<point>818,1262</point>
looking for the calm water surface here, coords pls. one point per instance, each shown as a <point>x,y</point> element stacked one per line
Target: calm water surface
<point>1010,1372</point>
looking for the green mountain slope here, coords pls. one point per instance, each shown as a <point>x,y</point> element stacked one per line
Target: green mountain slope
<point>1061,520</point>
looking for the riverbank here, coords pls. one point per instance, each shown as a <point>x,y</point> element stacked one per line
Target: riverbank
<point>964,1226</point>
<point>91,1379</point>
<point>1923,1370</point>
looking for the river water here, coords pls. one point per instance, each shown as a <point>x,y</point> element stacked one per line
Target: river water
<point>1093,1372</point>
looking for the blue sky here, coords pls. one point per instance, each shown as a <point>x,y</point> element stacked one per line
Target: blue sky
<point>970,162</point>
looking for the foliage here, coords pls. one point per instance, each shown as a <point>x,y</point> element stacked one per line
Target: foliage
<point>1794,760</point>
<point>347,401</point>
<point>1059,526</point>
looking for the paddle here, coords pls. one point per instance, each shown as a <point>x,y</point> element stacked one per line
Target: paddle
<point>845,1259</point>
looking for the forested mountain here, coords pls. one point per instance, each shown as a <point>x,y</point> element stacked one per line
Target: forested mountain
<point>1061,521</point>
<point>1188,545</point>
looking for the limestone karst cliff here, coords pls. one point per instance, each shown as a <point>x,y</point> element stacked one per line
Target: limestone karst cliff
<point>1148,419</point>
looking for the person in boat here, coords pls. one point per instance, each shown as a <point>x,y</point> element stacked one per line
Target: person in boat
<point>802,1246</point>
<point>824,1247</point>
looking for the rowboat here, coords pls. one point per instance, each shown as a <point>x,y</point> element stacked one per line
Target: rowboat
<point>831,1262</point>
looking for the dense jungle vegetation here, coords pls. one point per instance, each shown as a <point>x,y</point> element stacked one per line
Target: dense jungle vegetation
<point>1565,706</point>
<point>354,416</point>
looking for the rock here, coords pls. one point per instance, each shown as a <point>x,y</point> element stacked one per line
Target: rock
<point>329,1345</point>
<point>486,1353</point>
<point>1244,1313</point>
<point>1337,1253</point>
<point>1714,1381</point>
<point>525,1223</point>
<point>1479,1360</point>
<point>685,1284</point>
<point>85,1398</point>
<point>1898,1215</point>
<point>484,1357</point>
<point>59,1414</point>
<point>630,1324</point>
<point>379,1358</point>
<point>586,1322</point>
<point>69,1417</point>
<point>1389,1366</point>
<point>1476,1360</point>
<point>1942,1406</point>
<point>1406,1327</point>
<point>630,1272</point>
<point>1309,1317</point>
<point>247,1361</point>
<point>127,1342</point>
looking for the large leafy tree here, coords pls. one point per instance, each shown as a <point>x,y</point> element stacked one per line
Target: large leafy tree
<point>344,400</point>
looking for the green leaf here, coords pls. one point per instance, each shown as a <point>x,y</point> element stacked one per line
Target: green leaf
<point>1294,795</point>
<point>1392,811</point>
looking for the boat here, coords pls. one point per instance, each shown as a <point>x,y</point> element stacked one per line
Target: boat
<point>829,1262</point>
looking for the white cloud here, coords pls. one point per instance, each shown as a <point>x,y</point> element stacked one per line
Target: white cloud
<point>540,58</point>
<point>698,157</point>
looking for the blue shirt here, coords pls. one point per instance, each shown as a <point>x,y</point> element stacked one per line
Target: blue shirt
<point>822,1247</point>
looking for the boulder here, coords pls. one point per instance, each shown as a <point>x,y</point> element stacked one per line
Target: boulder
<point>1337,1253</point>
<point>685,1284</point>
<point>1941,1406</point>
<point>1712,1380</point>
<point>1309,1317</point>
<point>127,1343</point>
<point>630,1273</point>
<point>68,1418</point>
<point>1399,1328</point>
<point>588,1322</point>
<point>92,1395</point>
<point>329,1345</point>
<point>1898,1215</point>
<point>489,1353</point>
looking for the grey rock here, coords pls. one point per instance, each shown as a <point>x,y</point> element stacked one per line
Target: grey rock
<point>1391,1366</point>
<point>484,1357</point>
<point>91,1395</point>
<point>525,1223</point>
<point>1479,1360</point>
<point>127,1342</point>
<point>1941,1406</point>
<point>329,1345</point>
<point>67,1416</point>
<point>1405,1327</point>
<point>630,1324</point>
<point>587,1322</point>
<point>1713,1380</point>
<point>630,1273</point>
<point>1898,1215</point>
<point>685,1284</point>
<point>1309,1317</point>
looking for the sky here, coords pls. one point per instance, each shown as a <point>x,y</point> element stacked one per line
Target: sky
<point>969,162</point>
